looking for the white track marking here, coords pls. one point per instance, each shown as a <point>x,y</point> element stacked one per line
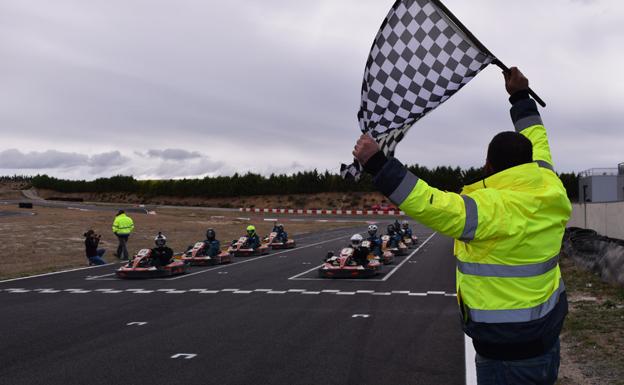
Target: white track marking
<point>296,277</point>
<point>470,354</point>
<point>387,276</point>
<point>256,258</point>
<point>136,323</point>
<point>360,316</point>
<point>186,356</point>
<point>57,272</point>
<point>231,291</point>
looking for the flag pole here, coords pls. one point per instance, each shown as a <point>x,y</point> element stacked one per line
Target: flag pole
<point>481,46</point>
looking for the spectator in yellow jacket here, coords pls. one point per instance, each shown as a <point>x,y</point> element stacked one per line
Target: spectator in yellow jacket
<point>123,226</point>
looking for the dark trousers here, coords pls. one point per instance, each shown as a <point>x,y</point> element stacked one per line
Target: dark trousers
<point>541,370</point>
<point>122,250</point>
<point>97,259</point>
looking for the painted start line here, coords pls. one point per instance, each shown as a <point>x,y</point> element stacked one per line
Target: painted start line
<point>227,291</point>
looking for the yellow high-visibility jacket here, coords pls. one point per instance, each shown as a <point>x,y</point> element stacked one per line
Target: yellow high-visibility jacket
<point>123,225</point>
<point>508,230</point>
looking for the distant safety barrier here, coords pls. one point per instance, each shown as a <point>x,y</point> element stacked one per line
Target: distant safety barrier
<point>322,212</point>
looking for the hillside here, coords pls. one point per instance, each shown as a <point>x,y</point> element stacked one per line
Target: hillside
<point>354,200</point>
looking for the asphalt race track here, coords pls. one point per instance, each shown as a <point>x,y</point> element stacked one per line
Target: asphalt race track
<point>260,320</point>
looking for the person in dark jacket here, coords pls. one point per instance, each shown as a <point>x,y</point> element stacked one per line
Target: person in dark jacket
<point>161,254</point>
<point>212,247</point>
<point>395,237</point>
<point>360,253</point>
<point>282,236</point>
<point>375,241</point>
<point>253,240</point>
<point>94,255</point>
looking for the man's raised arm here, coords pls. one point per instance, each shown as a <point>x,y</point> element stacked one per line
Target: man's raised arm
<point>526,117</point>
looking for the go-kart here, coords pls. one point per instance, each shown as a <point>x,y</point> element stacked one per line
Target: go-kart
<point>276,244</point>
<point>241,249</point>
<point>140,266</point>
<point>400,250</point>
<point>195,256</point>
<point>410,242</point>
<point>343,266</point>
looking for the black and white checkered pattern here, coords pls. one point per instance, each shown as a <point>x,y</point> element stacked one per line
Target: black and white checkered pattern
<point>419,59</point>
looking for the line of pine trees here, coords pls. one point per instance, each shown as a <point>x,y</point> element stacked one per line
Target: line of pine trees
<point>308,182</point>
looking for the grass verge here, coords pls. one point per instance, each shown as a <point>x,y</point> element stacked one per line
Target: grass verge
<point>593,335</point>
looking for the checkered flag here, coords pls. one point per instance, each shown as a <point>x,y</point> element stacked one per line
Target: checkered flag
<point>421,56</point>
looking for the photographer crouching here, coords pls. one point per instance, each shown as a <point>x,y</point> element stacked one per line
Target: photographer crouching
<point>94,255</point>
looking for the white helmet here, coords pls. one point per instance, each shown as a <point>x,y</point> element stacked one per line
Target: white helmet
<point>160,240</point>
<point>405,224</point>
<point>372,230</point>
<point>356,240</point>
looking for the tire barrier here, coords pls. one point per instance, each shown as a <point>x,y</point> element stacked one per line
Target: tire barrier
<point>25,205</point>
<point>596,253</point>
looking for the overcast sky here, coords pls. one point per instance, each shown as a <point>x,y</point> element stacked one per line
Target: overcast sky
<point>185,88</point>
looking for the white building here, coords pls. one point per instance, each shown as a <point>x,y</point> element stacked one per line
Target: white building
<point>602,185</point>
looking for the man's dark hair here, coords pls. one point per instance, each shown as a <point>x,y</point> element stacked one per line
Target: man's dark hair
<point>509,149</point>
<point>120,212</point>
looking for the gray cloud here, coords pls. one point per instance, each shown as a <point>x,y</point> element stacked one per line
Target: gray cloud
<point>108,159</point>
<point>174,154</point>
<point>15,159</point>
<point>265,84</point>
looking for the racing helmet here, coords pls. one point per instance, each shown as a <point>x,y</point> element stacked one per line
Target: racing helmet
<point>391,229</point>
<point>251,230</point>
<point>405,224</point>
<point>356,241</point>
<point>280,227</point>
<point>210,234</point>
<point>160,240</point>
<point>372,230</point>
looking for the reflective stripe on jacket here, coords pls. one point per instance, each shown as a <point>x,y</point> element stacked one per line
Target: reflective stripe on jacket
<point>123,224</point>
<point>508,229</point>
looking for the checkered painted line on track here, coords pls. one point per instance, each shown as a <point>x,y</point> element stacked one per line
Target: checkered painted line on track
<point>228,291</point>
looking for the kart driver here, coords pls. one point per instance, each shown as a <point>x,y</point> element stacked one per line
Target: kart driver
<point>375,241</point>
<point>212,247</point>
<point>360,253</point>
<point>407,232</point>
<point>253,240</point>
<point>282,236</point>
<point>161,254</point>
<point>395,238</point>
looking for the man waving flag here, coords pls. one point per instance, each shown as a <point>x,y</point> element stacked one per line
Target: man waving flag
<point>421,56</point>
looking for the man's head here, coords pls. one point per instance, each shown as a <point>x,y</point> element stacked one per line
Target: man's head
<point>508,149</point>
<point>120,212</point>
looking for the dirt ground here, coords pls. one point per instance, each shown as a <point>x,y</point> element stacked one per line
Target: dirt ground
<point>11,190</point>
<point>52,239</point>
<point>593,337</point>
<point>294,201</point>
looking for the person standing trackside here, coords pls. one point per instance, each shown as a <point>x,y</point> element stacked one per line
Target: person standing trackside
<point>508,230</point>
<point>123,226</point>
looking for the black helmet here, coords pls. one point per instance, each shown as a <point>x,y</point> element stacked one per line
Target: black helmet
<point>210,234</point>
<point>160,240</point>
<point>391,229</point>
<point>280,227</point>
